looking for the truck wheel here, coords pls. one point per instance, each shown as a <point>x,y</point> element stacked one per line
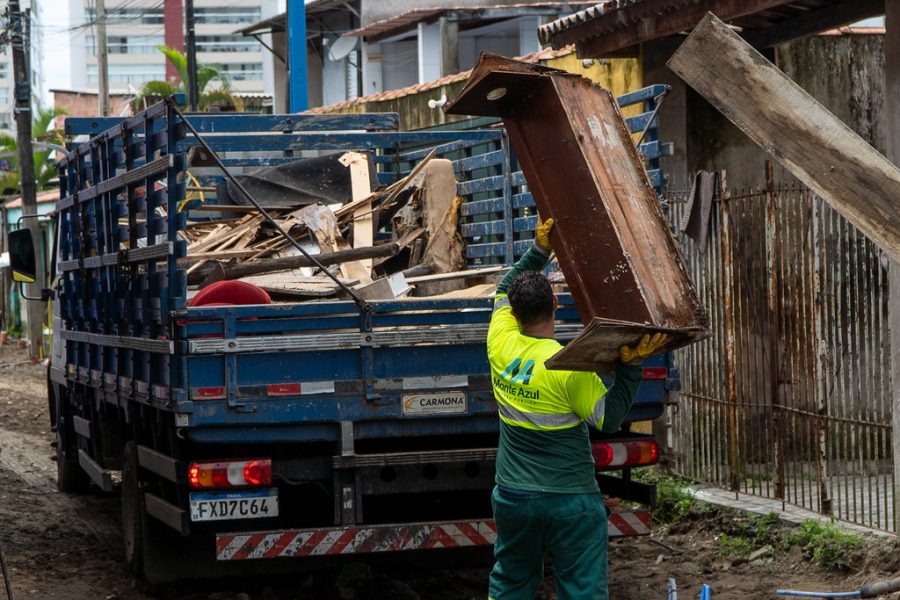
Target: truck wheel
<point>69,476</point>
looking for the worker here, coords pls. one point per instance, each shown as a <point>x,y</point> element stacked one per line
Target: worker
<point>546,497</point>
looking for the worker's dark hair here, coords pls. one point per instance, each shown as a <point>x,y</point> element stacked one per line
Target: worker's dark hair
<point>531,298</point>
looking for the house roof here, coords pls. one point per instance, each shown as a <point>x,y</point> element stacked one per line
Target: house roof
<point>42,198</point>
<point>617,25</point>
<point>268,25</point>
<point>402,23</point>
<point>90,91</point>
<point>277,22</point>
<point>534,57</point>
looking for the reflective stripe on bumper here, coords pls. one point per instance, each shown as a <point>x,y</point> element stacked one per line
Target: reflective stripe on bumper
<point>331,541</point>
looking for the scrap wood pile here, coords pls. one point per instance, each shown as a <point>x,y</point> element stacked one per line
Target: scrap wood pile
<point>400,240</point>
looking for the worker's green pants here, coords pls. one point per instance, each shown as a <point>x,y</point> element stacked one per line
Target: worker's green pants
<point>571,528</point>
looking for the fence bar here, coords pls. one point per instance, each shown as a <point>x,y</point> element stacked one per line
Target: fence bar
<point>772,304</point>
<point>799,315</point>
<point>728,305</point>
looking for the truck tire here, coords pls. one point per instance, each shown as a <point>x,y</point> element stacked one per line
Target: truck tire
<point>69,476</point>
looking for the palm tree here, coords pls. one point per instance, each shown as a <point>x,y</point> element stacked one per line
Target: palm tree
<point>44,166</point>
<point>220,98</point>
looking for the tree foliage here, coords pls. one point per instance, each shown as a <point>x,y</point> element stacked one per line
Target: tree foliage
<point>44,164</point>
<point>207,75</point>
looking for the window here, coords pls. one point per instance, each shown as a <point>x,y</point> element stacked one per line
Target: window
<point>5,95</point>
<point>135,44</point>
<point>136,74</point>
<point>227,14</point>
<point>226,43</point>
<point>243,71</point>
<point>128,16</point>
<point>4,70</point>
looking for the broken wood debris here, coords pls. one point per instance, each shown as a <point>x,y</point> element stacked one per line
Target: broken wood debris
<point>373,239</point>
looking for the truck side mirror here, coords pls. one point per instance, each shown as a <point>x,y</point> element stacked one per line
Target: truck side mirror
<point>21,256</point>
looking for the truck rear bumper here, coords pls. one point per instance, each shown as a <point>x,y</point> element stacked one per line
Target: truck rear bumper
<point>330,541</point>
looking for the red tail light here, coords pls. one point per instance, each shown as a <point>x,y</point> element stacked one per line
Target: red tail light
<point>208,393</point>
<point>230,473</point>
<point>638,453</point>
<point>283,389</point>
<point>656,372</point>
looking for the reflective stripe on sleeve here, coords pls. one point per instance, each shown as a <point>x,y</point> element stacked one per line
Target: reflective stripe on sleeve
<point>538,419</point>
<point>596,418</point>
<point>501,302</point>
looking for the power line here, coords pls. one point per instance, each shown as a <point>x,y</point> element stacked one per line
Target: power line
<point>120,10</point>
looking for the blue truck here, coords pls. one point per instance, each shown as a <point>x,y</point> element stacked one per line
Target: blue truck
<point>288,430</point>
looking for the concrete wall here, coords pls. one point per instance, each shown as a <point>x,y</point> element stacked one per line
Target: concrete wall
<point>617,75</point>
<point>86,104</point>
<point>846,74</point>
<point>843,72</point>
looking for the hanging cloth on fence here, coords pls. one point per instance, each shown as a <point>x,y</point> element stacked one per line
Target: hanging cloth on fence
<point>696,218</point>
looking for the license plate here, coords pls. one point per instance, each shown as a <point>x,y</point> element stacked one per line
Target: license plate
<point>220,506</point>
<point>434,403</point>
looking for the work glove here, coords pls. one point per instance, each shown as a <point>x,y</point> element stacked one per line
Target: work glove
<point>647,346</point>
<point>542,233</point>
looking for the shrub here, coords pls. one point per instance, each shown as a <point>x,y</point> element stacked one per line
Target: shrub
<point>825,544</point>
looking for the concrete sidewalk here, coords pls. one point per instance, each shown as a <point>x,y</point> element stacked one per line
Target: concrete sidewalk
<point>762,506</point>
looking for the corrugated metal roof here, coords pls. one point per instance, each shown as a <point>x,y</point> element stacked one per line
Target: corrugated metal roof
<point>614,25</point>
<point>405,21</point>
<point>276,23</point>
<point>397,24</point>
<point>534,57</point>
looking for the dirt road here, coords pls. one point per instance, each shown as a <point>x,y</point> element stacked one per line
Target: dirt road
<point>68,547</point>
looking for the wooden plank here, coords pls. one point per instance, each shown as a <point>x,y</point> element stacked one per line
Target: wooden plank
<point>801,134</point>
<point>286,283</point>
<point>457,275</point>
<point>363,225</point>
<point>293,262</point>
<point>481,290</point>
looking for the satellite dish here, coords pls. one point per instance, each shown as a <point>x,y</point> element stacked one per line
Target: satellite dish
<point>341,48</point>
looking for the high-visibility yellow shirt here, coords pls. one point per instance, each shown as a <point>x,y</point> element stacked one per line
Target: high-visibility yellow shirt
<point>544,415</point>
<point>544,444</point>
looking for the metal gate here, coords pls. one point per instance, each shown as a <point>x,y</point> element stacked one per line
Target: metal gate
<point>790,396</point>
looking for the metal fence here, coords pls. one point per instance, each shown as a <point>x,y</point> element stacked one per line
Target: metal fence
<point>790,396</point>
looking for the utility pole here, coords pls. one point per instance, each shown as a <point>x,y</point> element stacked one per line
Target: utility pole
<point>193,92</point>
<point>298,93</point>
<point>21,50</point>
<point>102,60</point>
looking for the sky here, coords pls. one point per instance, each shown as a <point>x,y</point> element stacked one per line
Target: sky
<point>56,48</point>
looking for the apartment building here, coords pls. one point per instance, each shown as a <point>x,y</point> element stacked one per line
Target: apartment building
<point>7,82</point>
<point>136,27</point>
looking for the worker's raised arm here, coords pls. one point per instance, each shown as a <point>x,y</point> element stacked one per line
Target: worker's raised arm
<point>535,259</point>
<point>621,396</point>
<point>603,409</point>
<point>628,379</point>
